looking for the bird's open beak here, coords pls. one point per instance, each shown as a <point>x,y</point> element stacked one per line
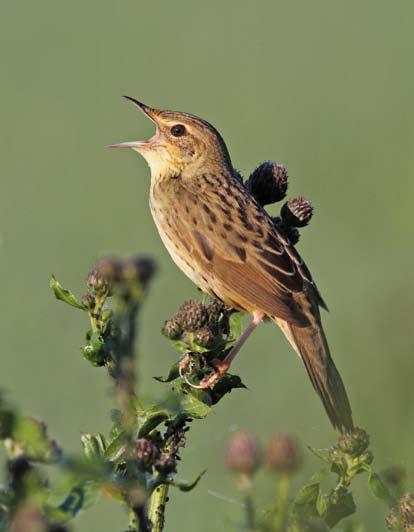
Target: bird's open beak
<point>139,144</point>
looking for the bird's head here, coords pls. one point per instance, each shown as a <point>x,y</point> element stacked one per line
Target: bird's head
<point>182,145</point>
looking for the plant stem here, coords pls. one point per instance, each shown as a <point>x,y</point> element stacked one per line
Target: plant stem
<point>156,510</point>
<point>280,515</point>
<point>247,489</point>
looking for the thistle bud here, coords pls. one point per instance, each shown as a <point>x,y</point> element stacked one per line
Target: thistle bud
<point>206,337</point>
<point>406,506</point>
<point>172,329</point>
<point>146,452</point>
<point>243,454</point>
<point>393,521</point>
<point>354,442</point>
<point>193,315</point>
<point>297,212</point>
<point>97,283</point>
<point>166,464</point>
<point>268,182</point>
<point>141,269</point>
<point>282,455</point>
<point>215,309</point>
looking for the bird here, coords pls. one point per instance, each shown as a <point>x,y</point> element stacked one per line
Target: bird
<point>227,244</point>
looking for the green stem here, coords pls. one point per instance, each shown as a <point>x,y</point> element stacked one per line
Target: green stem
<point>156,510</point>
<point>281,511</point>
<point>247,489</point>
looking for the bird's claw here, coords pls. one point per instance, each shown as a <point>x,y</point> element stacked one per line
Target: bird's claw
<point>210,380</point>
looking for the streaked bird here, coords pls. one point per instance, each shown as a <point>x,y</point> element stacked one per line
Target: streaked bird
<point>227,244</point>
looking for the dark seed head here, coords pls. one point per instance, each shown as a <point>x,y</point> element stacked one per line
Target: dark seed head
<point>206,336</point>
<point>297,212</point>
<point>268,182</point>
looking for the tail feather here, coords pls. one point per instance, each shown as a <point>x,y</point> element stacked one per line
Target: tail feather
<point>311,345</point>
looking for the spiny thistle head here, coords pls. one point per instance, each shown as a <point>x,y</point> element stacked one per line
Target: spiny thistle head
<point>297,212</point>
<point>243,454</point>
<point>268,182</point>
<point>282,454</point>
<point>98,283</point>
<point>406,507</point>
<point>354,443</point>
<point>193,315</point>
<point>206,336</point>
<point>172,329</point>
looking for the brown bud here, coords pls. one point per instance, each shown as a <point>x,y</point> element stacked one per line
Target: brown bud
<point>297,212</point>
<point>282,454</point>
<point>406,506</point>
<point>172,329</point>
<point>243,453</point>
<point>193,315</point>
<point>268,182</point>
<point>140,269</point>
<point>206,336</point>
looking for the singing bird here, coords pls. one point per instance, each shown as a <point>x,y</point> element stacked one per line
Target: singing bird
<point>227,244</point>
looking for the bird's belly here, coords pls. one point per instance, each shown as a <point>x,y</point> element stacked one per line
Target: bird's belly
<point>178,253</point>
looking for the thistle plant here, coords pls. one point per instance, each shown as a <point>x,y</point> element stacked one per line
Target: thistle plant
<point>136,463</point>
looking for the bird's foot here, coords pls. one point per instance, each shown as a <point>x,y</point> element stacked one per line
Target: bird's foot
<point>220,368</point>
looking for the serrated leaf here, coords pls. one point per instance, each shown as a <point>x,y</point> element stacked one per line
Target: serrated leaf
<point>378,487</point>
<point>187,486</point>
<point>172,374</point>
<point>64,295</point>
<point>344,507</point>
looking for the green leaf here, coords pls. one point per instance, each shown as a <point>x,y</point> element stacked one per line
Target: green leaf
<point>180,346</point>
<point>29,437</point>
<point>304,504</point>
<point>321,504</point>
<point>187,486</point>
<point>80,497</point>
<point>195,403</point>
<point>378,487</point>
<point>116,446</point>
<point>172,374</point>
<point>343,507</point>
<point>64,295</point>
<point>151,420</point>
<point>308,494</point>
<point>93,446</point>
<point>236,325</point>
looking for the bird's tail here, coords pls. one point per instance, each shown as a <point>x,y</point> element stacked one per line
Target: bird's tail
<point>311,345</point>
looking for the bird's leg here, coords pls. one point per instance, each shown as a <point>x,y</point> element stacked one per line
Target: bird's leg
<point>222,366</point>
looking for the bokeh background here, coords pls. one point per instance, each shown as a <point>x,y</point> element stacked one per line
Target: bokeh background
<point>325,87</point>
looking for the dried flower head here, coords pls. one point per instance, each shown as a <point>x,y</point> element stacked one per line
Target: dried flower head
<point>297,212</point>
<point>268,182</point>
<point>354,443</point>
<point>172,329</point>
<point>406,506</point>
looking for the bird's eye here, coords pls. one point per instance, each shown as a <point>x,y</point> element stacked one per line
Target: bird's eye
<point>178,130</point>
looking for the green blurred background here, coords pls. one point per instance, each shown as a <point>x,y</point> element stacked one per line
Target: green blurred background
<point>325,87</point>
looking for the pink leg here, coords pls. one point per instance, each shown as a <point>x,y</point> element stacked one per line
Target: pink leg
<point>221,366</point>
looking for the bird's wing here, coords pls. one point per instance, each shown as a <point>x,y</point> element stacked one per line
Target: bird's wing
<point>241,248</point>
